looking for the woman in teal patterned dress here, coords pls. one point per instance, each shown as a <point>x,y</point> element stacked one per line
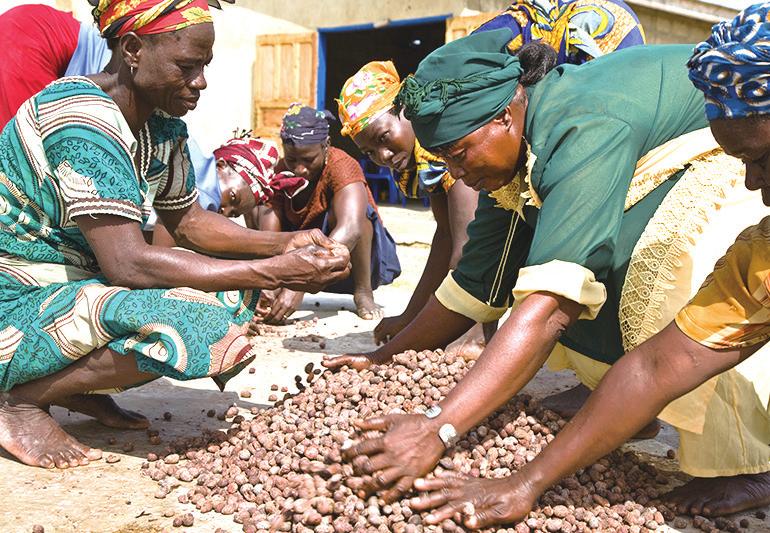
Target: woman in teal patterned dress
<point>85,303</point>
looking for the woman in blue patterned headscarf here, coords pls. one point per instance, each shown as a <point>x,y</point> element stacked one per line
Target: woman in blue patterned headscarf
<point>732,68</point>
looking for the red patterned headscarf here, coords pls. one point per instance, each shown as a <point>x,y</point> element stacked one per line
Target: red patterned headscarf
<point>115,18</point>
<point>254,160</point>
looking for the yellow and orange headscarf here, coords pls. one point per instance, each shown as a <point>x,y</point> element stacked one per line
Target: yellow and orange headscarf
<point>367,95</point>
<point>145,17</point>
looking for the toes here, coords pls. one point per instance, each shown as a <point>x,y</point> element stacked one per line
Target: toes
<point>80,447</point>
<point>46,461</point>
<point>72,457</point>
<point>61,461</point>
<point>710,508</point>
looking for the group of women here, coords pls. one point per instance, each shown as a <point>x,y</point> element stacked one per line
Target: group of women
<point>600,208</point>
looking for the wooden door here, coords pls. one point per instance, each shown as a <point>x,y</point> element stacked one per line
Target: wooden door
<point>285,71</point>
<point>458,27</point>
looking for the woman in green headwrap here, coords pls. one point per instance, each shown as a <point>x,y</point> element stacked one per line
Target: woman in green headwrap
<point>608,207</point>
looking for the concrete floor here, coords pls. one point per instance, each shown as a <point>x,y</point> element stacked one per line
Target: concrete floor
<point>118,498</point>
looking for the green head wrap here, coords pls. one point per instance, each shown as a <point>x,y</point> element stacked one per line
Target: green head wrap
<point>460,87</point>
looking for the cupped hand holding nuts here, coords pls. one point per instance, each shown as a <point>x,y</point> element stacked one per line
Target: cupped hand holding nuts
<point>408,448</point>
<point>312,268</point>
<point>300,239</point>
<point>481,502</point>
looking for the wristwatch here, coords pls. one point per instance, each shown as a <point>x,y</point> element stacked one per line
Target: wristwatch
<point>447,432</point>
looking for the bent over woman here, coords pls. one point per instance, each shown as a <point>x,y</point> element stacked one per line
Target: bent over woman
<point>578,31</point>
<point>603,210</point>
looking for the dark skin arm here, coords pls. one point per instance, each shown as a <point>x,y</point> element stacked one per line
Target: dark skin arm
<point>147,266</point>
<point>161,236</point>
<point>434,272</point>
<point>632,393</point>
<point>349,212</point>
<point>422,333</point>
<point>461,209</point>
<point>453,212</point>
<point>211,233</point>
<point>410,448</point>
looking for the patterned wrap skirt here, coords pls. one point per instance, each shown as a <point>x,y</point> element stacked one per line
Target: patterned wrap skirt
<point>51,315</point>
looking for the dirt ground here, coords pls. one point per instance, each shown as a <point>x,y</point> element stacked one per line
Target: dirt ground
<point>118,498</point>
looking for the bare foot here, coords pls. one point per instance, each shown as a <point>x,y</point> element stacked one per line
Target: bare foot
<point>567,403</point>
<point>366,308</point>
<point>104,409</point>
<point>719,496</point>
<point>34,438</point>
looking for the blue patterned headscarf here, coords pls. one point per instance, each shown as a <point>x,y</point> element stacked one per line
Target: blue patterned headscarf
<point>303,125</point>
<point>732,66</point>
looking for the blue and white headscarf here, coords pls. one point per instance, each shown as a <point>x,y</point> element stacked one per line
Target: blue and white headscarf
<point>732,66</point>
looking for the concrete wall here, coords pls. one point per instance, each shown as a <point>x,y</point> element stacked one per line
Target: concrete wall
<point>679,21</point>
<point>330,13</point>
<point>662,27</point>
<point>665,21</point>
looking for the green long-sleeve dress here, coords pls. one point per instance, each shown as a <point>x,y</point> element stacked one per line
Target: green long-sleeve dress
<point>587,127</point>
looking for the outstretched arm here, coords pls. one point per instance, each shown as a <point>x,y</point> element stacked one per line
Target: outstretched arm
<point>410,447</point>
<point>434,327</point>
<point>453,212</point>
<point>211,233</point>
<point>631,394</point>
<point>127,260</point>
<point>434,272</point>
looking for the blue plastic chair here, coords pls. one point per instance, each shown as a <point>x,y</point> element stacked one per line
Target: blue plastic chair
<point>378,177</point>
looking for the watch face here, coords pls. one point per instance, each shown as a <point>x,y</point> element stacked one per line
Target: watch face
<point>448,434</point>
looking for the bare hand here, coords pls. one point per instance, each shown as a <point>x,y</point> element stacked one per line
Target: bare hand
<point>409,449</point>
<point>300,239</point>
<point>312,267</point>
<point>355,361</point>
<point>481,502</point>
<point>389,327</point>
<point>276,306</point>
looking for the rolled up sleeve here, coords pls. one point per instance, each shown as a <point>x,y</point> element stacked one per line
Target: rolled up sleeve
<point>569,280</point>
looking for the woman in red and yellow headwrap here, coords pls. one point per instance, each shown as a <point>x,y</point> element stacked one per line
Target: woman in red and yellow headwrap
<point>85,303</point>
<point>148,17</point>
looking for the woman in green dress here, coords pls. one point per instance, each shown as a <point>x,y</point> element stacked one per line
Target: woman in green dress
<point>86,304</point>
<point>723,325</point>
<point>604,217</point>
